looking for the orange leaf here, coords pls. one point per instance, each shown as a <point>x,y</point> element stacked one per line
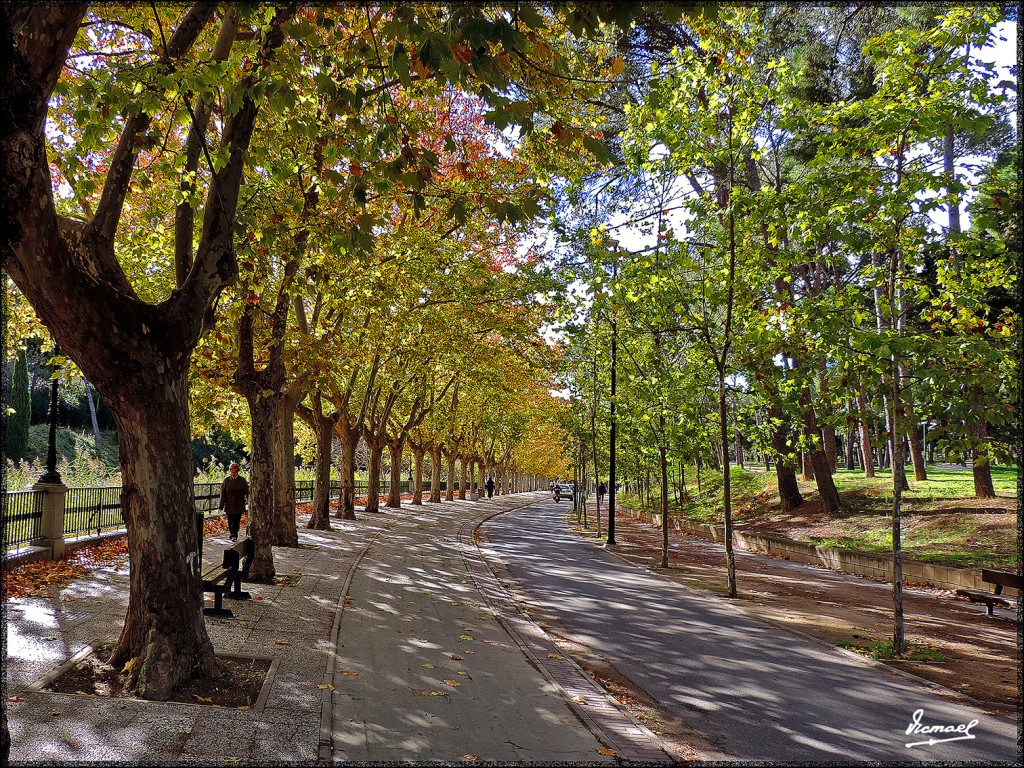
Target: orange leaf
<point>606,751</point>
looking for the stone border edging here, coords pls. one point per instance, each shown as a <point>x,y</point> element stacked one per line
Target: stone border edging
<point>610,722</point>
<point>841,559</point>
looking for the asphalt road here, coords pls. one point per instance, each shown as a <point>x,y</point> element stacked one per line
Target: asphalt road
<point>757,692</point>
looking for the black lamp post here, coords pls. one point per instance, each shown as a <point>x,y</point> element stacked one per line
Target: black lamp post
<point>611,464</point>
<point>51,476</point>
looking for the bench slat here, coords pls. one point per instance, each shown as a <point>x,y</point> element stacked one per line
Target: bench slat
<point>1002,578</point>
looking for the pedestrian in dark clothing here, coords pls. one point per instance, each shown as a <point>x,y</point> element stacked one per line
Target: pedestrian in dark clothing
<point>601,491</point>
<point>489,485</point>
<point>233,494</point>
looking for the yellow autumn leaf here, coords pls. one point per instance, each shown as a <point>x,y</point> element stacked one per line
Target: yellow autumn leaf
<point>326,687</point>
<point>429,666</point>
<point>349,672</point>
<point>284,642</point>
<point>433,693</point>
<point>555,656</point>
<point>203,698</point>
<point>465,637</point>
<point>470,757</point>
<point>460,672</point>
<point>469,653</point>
<point>453,683</point>
<point>606,751</point>
<point>245,706</point>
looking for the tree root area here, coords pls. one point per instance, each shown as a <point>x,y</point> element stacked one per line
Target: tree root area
<point>239,686</point>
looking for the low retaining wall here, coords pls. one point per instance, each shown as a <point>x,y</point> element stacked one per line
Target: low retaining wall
<point>836,558</point>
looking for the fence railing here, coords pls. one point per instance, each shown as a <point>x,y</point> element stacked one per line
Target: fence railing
<point>22,516</point>
<point>95,510</point>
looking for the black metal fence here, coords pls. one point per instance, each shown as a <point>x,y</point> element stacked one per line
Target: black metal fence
<point>92,509</point>
<point>22,516</point>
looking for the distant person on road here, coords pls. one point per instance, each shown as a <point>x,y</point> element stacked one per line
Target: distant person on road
<point>233,494</point>
<point>601,491</point>
<point>489,485</point>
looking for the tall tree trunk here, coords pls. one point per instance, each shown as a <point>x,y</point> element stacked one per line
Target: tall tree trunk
<point>97,439</point>
<point>983,485</point>
<point>865,434</point>
<point>449,490</point>
<point>663,450</point>
<point>730,556</point>
<point>435,473</point>
<point>789,490</point>
<point>830,502</point>
<point>463,478</point>
<point>323,431</point>
<point>286,532</point>
<point>375,448</point>
<point>395,448</point>
<point>165,638</point>
<point>417,475</point>
<point>916,451</point>
<point>349,439</point>
<point>263,415</point>
<point>828,432</point>
<point>739,446</point>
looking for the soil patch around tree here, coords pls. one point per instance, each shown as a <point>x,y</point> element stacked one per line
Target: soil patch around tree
<point>239,687</point>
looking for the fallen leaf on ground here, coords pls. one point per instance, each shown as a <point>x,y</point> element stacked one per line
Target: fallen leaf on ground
<point>461,673</point>
<point>606,751</point>
<point>49,638</point>
<point>469,653</point>
<point>203,698</point>
<point>555,656</point>
<point>326,687</point>
<point>453,683</point>
<point>284,642</point>
<point>15,698</point>
<point>579,700</point>
<point>433,693</point>
<point>465,637</point>
<point>243,623</point>
<point>257,597</point>
<point>429,666</point>
<point>245,707</point>
<point>349,672</point>
<point>456,657</point>
<point>470,757</point>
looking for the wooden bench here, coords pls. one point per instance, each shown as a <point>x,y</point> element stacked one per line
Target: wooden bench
<point>225,580</point>
<point>998,578</point>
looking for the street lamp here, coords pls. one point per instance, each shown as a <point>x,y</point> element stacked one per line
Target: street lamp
<point>51,476</point>
<point>611,464</point>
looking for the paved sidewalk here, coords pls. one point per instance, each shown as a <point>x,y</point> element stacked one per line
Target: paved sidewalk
<point>427,672</point>
<point>757,691</point>
<point>412,578</point>
<point>43,633</point>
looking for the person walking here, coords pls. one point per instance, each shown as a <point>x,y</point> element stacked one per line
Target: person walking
<point>233,494</point>
<point>601,491</point>
<point>489,485</point>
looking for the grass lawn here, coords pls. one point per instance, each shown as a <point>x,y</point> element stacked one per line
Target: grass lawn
<point>942,521</point>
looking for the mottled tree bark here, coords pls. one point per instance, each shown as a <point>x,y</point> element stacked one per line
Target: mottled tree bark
<point>435,472</point>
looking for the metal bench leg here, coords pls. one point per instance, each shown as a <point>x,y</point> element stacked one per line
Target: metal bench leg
<point>218,608</point>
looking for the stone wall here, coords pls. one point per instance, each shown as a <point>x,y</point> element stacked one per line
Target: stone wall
<point>837,558</point>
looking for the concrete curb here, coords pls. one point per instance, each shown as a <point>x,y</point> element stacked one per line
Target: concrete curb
<point>609,721</point>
